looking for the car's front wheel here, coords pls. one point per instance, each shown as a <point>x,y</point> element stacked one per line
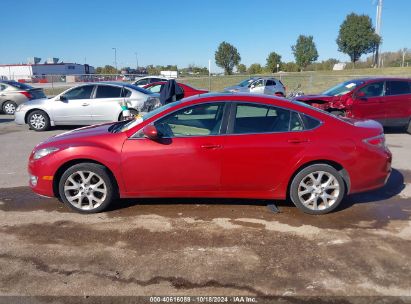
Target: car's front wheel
<point>9,107</point>
<point>38,120</point>
<point>317,189</point>
<point>87,188</point>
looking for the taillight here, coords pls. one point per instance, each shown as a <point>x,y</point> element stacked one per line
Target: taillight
<point>27,94</point>
<point>377,141</point>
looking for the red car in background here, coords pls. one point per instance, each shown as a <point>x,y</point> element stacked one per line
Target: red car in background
<point>155,87</point>
<point>387,100</point>
<point>245,146</point>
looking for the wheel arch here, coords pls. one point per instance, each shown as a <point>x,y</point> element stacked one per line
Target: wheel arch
<point>26,116</point>
<point>337,166</point>
<point>60,171</point>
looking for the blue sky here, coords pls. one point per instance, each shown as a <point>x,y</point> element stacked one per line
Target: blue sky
<point>184,32</point>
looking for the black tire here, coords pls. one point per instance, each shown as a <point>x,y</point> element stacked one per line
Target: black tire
<point>409,127</point>
<point>315,170</point>
<point>100,174</point>
<point>133,113</point>
<point>9,107</point>
<point>38,120</point>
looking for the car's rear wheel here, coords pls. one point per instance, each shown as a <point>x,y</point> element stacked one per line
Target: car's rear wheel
<point>87,188</point>
<point>317,189</point>
<point>409,127</point>
<point>9,107</point>
<point>38,121</point>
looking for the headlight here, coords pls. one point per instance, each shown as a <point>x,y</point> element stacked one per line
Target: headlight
<point>43,152</point>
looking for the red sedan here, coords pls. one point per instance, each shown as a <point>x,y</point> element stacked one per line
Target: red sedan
<point>215,145</point>
<point>155,87</point>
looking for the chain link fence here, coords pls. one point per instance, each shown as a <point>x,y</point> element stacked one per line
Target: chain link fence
<point>308,82</point>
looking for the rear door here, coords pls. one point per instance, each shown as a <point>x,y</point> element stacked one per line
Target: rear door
<point>270,87</point>
<point>75,108</point>
<point>262,143</point>
<point>106,105</point>
<point>371,104</point>
<point>397,102</point>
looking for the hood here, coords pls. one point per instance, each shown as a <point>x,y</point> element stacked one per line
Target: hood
<point>78,134</point>
<point>315,97</point>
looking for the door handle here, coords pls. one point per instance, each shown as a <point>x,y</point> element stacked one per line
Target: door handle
<point>297,140</point>
<point>211,147</point>
<point>85,104</point>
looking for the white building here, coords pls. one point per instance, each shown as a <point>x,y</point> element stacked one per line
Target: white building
<point>29,72</point>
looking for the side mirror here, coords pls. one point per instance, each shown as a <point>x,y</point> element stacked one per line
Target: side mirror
<point>62,98</point>
<point>151,132</point>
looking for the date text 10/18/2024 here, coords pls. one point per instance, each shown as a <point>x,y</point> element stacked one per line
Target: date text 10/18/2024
<point>203,299</point>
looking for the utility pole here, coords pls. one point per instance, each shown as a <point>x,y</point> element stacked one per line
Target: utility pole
<point>378,31</point>
<point>115,58</point>
<point>135,53</point>
<point>404,50</point>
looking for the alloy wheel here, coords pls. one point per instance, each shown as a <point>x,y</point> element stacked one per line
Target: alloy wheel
<point>9,108</point>
<point>318,190</point>
<point>85,190</point>
<point>37,121</point>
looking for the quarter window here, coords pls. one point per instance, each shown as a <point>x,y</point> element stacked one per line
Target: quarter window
<point>260,119</point>
<point>108,92</point>
<point>83,92</point>
<point>398,87</point>
<point>270,82</point>
<point>199,120</point>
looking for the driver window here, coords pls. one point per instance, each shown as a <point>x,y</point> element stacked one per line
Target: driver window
<point>199,120</point>
<point>259,83</point>
<point>83,92</point>
<point>375,89</point>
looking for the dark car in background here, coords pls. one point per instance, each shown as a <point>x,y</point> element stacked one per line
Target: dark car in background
<point>387,100</point>
<point>13,93</point>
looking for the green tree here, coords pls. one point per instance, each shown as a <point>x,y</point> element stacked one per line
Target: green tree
<point>227,57</point>
<point>272,60</point>
<point>255,68</point>
<point>305,51</point>
<point>241,68</point>
<point>357,36</point>
<point>107,69</point>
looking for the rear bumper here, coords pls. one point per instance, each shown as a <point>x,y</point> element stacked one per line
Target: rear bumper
<point>372,173</point>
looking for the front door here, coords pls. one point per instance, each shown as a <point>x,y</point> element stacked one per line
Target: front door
<point>185,161</point>
<point>75,106</point>
<point>368,102</point>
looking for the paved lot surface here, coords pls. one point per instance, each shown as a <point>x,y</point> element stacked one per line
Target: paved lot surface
<point>201,247</point>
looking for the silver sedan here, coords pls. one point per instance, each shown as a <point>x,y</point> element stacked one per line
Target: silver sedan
<point>85,105</point>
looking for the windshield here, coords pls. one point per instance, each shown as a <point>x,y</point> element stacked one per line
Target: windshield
<point>245,82</point>
<point>139,119</point>
<point>343,88</point>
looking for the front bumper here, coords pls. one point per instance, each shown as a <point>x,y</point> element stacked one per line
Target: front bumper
<point>19,117</point>
<point>40,171</point>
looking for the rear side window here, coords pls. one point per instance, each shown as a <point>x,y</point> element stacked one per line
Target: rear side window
<point>108,92</point>
<point>125,93</point>
<point>141,82</point>
<point>309,122</point>
<point>397,88</point>
<point>251,119</point>
<point>2,87</point>
<point>270,82</point>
